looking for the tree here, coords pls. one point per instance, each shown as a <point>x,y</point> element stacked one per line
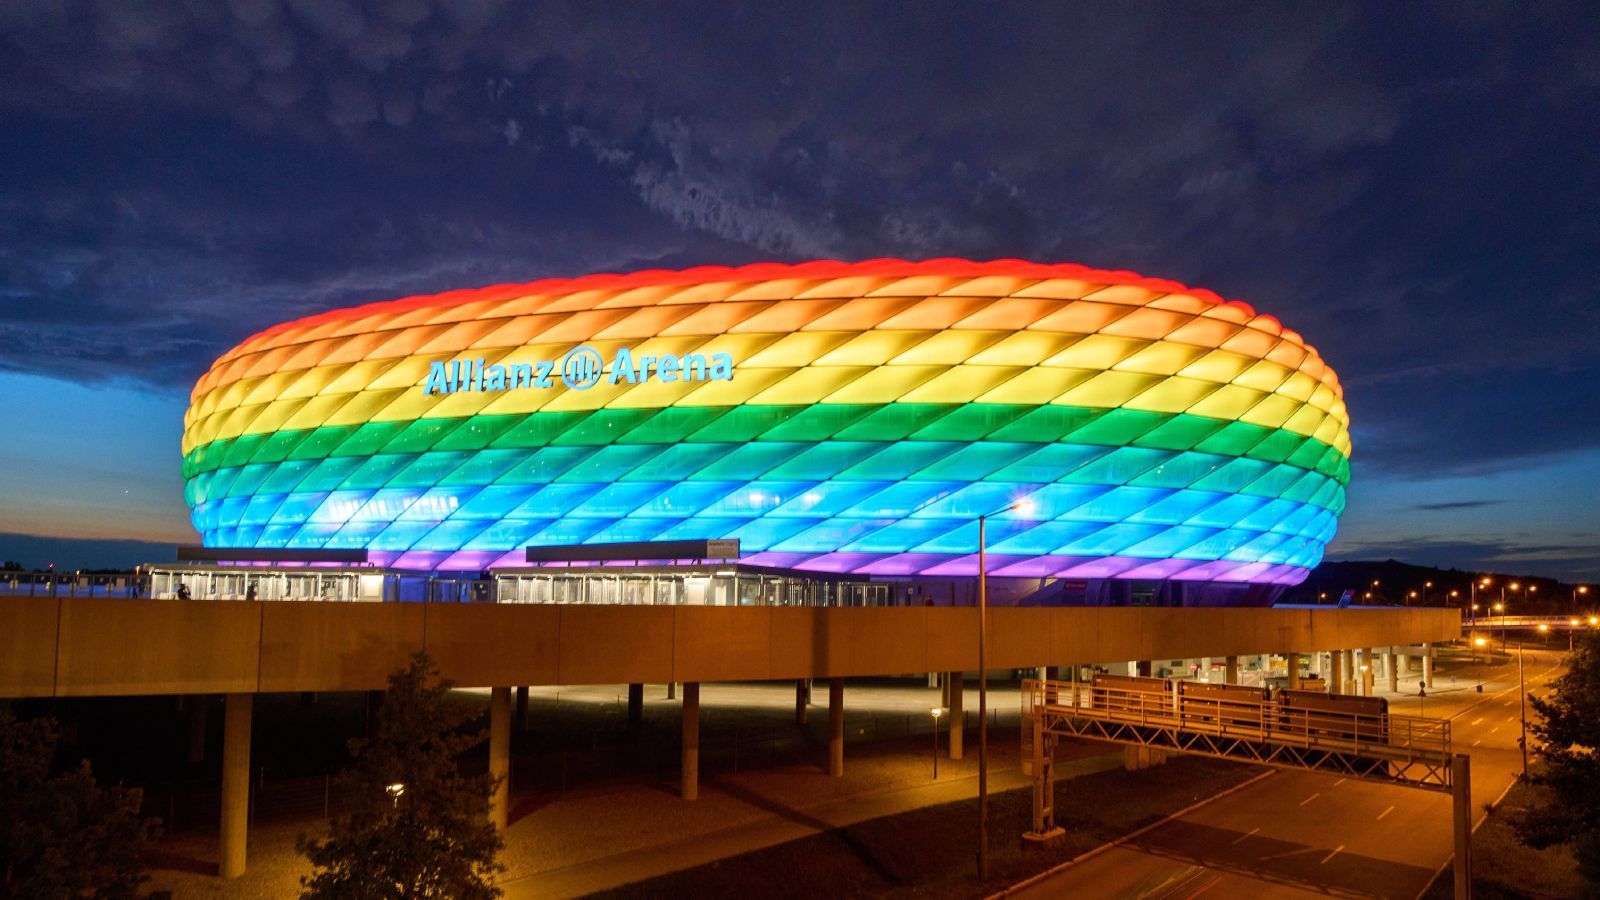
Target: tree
<point>1568,729</point>
<point>417,826</point>
<point>63,835</point>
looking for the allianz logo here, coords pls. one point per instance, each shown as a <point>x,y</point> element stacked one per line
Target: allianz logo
<point>578,369</point>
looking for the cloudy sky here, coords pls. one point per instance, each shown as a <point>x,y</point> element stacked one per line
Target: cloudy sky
<point>1413,188</point>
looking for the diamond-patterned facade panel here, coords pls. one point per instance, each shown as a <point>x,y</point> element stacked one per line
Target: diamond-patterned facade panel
<point>833,416</point>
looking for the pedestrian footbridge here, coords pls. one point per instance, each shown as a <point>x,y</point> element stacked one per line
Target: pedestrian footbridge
<point>1343,735</point>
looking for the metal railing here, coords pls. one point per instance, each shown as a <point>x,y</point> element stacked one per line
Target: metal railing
<point>1355,742</point>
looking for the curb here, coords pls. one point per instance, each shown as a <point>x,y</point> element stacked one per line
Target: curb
<point>1117,842</point>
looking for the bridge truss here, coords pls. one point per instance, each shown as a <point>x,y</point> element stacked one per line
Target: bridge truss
<point>1410,751</point>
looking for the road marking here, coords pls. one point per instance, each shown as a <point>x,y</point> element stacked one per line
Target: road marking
<point>1245,835</point>
<point>1340,781</point>
<point>1477,720</point>
<point>1494,729</point>
<point>1477,742</point>
<point>1205,887</point>
<point>1333,854</point>
<point>1310,798</point>
<point>1385,813</point>
<point>1290,853</point>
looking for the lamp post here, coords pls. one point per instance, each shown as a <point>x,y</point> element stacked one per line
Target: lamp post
<point>1522,697</point>
<point>1024,507</point>
<point>1580,589</point>
<point>1484,583</point>
<point>1478,642</point>
<point>1501,609</point>
<point>1572,625</point>
<point>394,791</point>
<point>936,712</point>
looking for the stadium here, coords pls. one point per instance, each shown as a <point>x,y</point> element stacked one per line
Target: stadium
<point>853,427</point>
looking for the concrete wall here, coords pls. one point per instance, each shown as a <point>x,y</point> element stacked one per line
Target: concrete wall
<point>86,647</point>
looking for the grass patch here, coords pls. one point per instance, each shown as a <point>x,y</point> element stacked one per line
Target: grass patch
<point>932,852</point>
<point>1504,868</point>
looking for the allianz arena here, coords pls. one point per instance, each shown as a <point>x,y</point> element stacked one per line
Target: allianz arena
<point>1124,436</point>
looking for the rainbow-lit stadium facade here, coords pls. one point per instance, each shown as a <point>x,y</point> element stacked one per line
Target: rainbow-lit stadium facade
<point>839,417</point>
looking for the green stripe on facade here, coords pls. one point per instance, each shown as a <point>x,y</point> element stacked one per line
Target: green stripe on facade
<point>963,422</point>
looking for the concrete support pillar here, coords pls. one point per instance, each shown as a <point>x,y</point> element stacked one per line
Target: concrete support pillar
<point>1350,673</point>
<point>635,703</point>
<point>1427,665</point>
<point>1231,668</point>
<point>958,715</point>
<point>1403,663</point>
<point>194,720</point>
<point>1392,670</point>
<point>1461,795</point>
<point>672,690</point>
<point>801,701</point>
<point>1293,660</point>
<point>1205,668</point>
<point>500,756</point>
<point>235,783</point>
<point>836,727</point>
<point>1335,672</point>
<point>689,784</point>
<point>522,708</point>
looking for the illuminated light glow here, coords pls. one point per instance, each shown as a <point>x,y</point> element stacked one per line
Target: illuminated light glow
<point>842,417</point>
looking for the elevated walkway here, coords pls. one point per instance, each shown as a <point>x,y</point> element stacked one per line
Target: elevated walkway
<point>78,647</point>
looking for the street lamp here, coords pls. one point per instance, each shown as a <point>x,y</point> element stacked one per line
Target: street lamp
<point>1024,508</point>
<point>1522,697</point>
<point>1580,589</point>
<point>936,712</point>
<point>1572,625</point>
<point>1476,583</point>
<point>1501,609</point>
<point>1544,630</point>
<point>394,791</point>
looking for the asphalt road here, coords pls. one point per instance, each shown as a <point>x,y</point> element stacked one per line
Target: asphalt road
<point>1298,834</point>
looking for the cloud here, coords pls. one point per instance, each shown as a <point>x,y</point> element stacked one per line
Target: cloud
<point>1455,504</point>
<point>182,175</point>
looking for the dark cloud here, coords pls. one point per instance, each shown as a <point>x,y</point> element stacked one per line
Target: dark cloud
<point>1413,187</point>
<point>1456,504</point>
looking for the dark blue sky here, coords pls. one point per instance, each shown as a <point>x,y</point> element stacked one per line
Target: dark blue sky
<point>1413,188</point>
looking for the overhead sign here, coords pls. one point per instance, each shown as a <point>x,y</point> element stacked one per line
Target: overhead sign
<point>578,369</point>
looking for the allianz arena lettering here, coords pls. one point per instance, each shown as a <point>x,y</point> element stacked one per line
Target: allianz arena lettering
<point>579,369</point>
